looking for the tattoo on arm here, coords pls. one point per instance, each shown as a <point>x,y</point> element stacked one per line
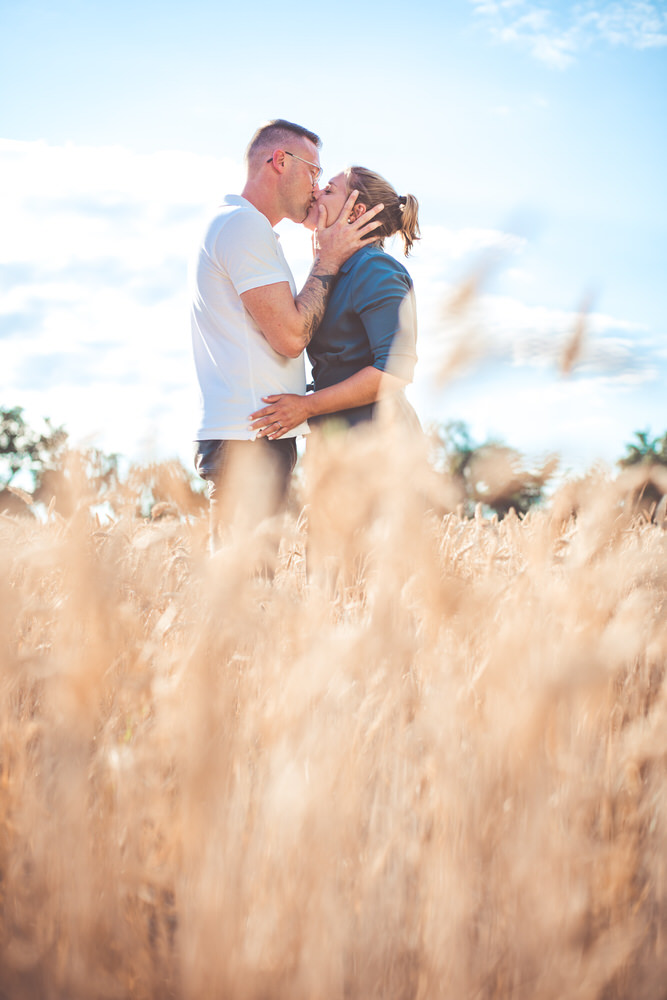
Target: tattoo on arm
<point>311,302</point>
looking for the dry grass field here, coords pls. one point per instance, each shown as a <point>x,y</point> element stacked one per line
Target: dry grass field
<point>434,766</point>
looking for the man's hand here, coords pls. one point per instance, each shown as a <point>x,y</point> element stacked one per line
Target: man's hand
<point>335,243</point>
<point>284,412</point>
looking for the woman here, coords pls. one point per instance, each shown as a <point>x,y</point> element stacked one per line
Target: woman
<point>365,346</point>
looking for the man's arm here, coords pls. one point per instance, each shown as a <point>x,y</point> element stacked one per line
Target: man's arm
<point>287,323</point>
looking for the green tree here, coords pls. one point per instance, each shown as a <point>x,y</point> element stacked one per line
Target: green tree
<point>646,451</point>
<point>491,473</point>
<point>454,449</point>
<point>39,467</point>
<point>644,465</point>
<point>27,451</point>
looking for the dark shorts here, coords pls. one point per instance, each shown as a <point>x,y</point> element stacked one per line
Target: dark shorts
<point>212,457</point>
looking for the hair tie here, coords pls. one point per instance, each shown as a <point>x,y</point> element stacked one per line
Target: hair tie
<point>402,201</point>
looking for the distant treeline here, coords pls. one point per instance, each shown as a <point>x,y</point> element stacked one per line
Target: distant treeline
<point>36,467</point>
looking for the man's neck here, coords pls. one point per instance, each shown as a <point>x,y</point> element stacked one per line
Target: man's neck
<point>263,201</point>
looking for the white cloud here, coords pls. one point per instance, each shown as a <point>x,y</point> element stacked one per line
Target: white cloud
<point>640,25</point>
<point>94,251</point>
<point>475,340</point>
<point>463,325</point>
<point>495,360</point>
<point>62,204</point>
<point>556,34</point>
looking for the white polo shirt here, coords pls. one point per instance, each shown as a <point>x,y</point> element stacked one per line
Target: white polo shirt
<point>234,361</point>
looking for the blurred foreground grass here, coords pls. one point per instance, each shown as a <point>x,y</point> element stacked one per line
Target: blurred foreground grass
<point>434,766</point>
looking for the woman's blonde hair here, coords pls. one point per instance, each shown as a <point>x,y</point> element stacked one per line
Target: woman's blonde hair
<point>400,212</point>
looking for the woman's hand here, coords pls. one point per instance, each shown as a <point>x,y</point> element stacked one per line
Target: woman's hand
<point>284,412</point>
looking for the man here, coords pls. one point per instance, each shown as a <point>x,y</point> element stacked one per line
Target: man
<point>249,327</point>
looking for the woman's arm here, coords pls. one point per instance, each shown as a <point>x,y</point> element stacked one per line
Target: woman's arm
<point>287,411</point>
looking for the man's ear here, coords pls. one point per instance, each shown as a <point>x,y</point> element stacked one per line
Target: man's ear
<point>278,160</point>
<point>357,210</point>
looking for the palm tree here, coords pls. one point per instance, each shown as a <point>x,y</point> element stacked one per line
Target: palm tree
<point>645,451</point>
<point>647,456</point>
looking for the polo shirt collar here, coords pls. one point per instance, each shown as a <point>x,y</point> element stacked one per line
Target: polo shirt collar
<point>238,199</point>
<point>357,255</point>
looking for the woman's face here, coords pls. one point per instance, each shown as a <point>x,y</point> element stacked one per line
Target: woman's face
<point>333,197</point>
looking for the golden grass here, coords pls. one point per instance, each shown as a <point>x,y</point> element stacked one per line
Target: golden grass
<point>436,767</point>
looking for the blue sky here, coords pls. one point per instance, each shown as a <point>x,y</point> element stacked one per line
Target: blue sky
<point>532,133</point>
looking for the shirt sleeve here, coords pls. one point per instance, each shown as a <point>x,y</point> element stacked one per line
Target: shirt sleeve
<point>384,299</point>
<point>246,249</point>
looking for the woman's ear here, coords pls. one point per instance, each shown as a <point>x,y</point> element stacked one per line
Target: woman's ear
<point>357,210</point>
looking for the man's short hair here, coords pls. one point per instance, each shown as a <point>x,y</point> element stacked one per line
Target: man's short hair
<point>276,133</point>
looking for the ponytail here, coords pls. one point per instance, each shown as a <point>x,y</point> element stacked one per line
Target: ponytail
<point>409,208</point>
<point>400,213</point>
